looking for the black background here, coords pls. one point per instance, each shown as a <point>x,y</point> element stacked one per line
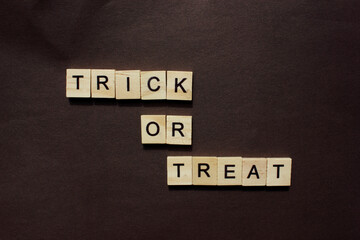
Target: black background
<point>271,79</point>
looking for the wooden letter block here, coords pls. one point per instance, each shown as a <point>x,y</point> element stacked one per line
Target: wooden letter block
<point>254,172</point>
<point>102,83</point>
<point>230,170</point>
<point>179,170</point>
<point>278,172</point>
<point>179,130</point>
<point>153,85</point>
<point>78,83</point>
<point>153,129</point>
<point>179,85</point>
<point>127,84</point>
<point>205,170</point>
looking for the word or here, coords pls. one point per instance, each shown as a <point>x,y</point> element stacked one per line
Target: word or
<point>132,84</point>
<point>228,171</point>
<point>162,129</point>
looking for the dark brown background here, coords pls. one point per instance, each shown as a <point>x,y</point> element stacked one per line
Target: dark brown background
<point>271,79</point>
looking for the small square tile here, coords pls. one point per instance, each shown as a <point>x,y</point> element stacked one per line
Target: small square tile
<point>127,84</point>
<point>205,170</point>
<point>254,172</point>
<point>179,130</point>
<point>179,85</point>
<point>179,170</point>
<point>103,83</point>
<point>278,172</point>
<point>153,129</point>
<point>153,85</point>
<point>78,83</point>
<point>230,170</point>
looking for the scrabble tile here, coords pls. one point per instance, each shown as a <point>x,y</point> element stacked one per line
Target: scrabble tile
<point>205,170</point>
<point>178,130</point>
<point>78,83</point>
<point>254,172</point>
<point>153,129</point>
<point>229,170</point>
<point>127,84</point>
<point>179,170</point>
<point>179,85</point>
<point>278,172</point>
<point>103,83</point>
<point>153,85</point>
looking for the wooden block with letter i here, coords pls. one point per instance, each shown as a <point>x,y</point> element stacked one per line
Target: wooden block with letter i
<point>103,83</point>
<point>153,129</point>
<point>229,171</point>
<point>127,84</point>
<point>205,170</point>
<point>153,85</point>
<point>78,83</point>
<point>278,172</point>
<point>179,130</point>
<point>179,170</point>
<point>179,85</point>
<point>254,172</point>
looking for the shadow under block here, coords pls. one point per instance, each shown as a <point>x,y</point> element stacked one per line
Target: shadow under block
<point>254,172</point>
<point>278,172</point>
<point>78,83</point>
<point>179,85</point>
<point>103,83</point>
<point>179,170</point>
<point>153,85</point>
<point>179,130</point>
<point>205,170</point>
<point>153,129</point>
<point>229,171</point>
<point>127,84</point>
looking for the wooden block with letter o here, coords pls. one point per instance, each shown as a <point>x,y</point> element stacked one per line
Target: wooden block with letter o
<point>103,83</point>
<point>254,172</point>
<point>78,83</point>
<point>153,85</point>
<point>179,85</point>
<point>127,84</point>
<point>179,170</point>
<point>230,170</point>
<point>278,172</point>
<point>153,129</point>
<point>205,170</point>
<point>179,130</point>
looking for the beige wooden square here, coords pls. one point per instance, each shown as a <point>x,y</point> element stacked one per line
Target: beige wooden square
<point>103,83</point>
<point>229,171</point>
<point>205,170</point>
<point>179,85</point>
<point>127,84</point>
<point>278,172</point>
<point>153,85</point>
<point>179,170</point>
<point>78,83</point>
<point>153,129</point>
<point>254,172</point>
<point>179,130</point>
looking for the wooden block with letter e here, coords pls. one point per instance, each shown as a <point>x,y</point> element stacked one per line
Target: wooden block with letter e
<point>153,129</point>
<point>103,83</point>
<point>278,172</point>
<point>127,84</point>
<point>205,170</point>
<point>179,85</point>
<point>230,170</point>
<point>179,170</point>
<point>254,172</point>
<point>179,130</point>
<point>78,83</point>
<point>153,85</point>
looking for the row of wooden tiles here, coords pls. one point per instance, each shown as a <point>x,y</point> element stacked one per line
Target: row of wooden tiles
<point>166,129</point>
<point>187,170</point>
<point>130,84</point>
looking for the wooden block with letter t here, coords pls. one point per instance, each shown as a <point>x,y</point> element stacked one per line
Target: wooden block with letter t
<point>103,83</point>
<point>127,84</point>
<point>254,172</point>
<point>153,129</point>
<point>179,170</point>
<point>179,85</point>
<point>229,171</point>
<point>179,130</point>
<point>278,172</point>
<point>153,85</point>
<point>78,83</point>
<point>205,170</point>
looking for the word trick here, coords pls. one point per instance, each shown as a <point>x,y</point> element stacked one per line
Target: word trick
<point>130,84</point>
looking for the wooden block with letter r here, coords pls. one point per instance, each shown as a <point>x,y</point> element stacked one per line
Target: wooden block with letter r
<point>103,83</point>
<point>78,83</point>
<point>179,130</point>
<point>205,170</point>
<point>179,170</point>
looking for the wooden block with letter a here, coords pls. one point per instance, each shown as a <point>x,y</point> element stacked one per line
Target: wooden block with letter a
<point>278,172</point>
<point>179,170</point>
<point>254,172</point>
<point>153,129</point>
<point>153,85</point>
<point>179,85</point>
<point>78,83</point>
<point>205,170</point>
<point>103,83</point>
<point>229,171</point>
<point>127,84</point>
<point>179,130</point>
